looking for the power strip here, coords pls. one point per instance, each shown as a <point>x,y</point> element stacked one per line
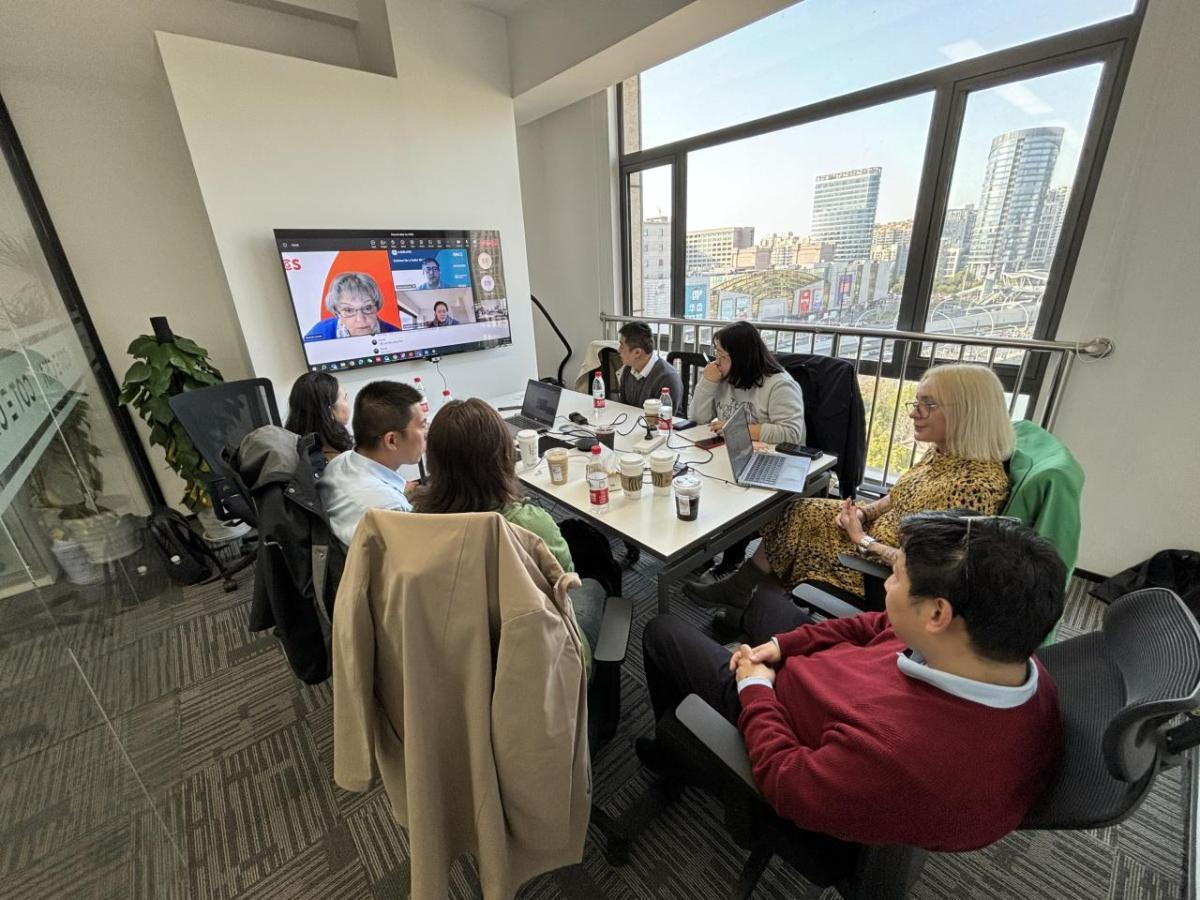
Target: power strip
<point>646,445</point>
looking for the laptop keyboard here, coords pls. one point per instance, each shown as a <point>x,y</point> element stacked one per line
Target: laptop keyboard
<point>523,422</point>
<point>766,468</point>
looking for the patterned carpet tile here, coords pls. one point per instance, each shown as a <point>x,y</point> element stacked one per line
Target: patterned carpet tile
<point>253,812</point>
<point>40,712</point>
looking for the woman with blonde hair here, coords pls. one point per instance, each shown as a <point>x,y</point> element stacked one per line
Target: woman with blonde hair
<point>960,411</point>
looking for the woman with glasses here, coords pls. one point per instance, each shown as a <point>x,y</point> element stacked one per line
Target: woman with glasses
<point>746,375</point>
<point>960,412</point>
<point>319,405</point>
<point>354,302</point>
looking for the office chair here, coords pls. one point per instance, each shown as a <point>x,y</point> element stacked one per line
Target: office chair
<point>216,419</point>
<point>1119,690</point>
<point>1045,487</point>
<point>691,370</point>
<point>610,366</point>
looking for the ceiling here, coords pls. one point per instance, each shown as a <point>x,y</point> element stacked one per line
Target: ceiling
<point>502,7</point>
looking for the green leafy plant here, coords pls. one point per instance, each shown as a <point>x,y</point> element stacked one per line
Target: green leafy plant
<point>163,369</point>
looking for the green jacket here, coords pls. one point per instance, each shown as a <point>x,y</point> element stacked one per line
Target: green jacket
<point>1046,485</point>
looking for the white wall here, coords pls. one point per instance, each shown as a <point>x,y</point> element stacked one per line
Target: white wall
<point>89,98</point>
<point>1132,420</point>
<point>278,142</point>
<point>568,184</point>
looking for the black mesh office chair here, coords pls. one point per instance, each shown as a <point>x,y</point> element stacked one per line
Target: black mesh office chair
<point>610,366</point>
<point>1119,690</point>
<point>216,419</point>
<point>691,370</point>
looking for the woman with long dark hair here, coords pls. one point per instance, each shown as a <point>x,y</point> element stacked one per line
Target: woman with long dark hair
<point>472,465</point>
<point>319,405</point>
<point>746,375</point>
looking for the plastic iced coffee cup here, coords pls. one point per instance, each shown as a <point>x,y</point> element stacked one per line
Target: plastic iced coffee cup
<point>556,460</point>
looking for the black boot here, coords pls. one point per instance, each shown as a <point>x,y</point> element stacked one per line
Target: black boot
<point>734,591</point>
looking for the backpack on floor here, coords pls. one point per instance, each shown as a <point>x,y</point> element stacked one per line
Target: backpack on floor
<point>186,558</point>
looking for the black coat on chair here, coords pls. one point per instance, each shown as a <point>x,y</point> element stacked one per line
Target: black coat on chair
<point>592,555</point>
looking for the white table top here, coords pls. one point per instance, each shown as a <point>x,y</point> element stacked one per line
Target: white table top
<point>651,520</point>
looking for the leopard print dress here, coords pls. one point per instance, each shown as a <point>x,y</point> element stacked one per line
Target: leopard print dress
<point>803,543</point>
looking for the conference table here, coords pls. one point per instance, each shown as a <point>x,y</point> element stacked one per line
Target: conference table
<point>728,511</point>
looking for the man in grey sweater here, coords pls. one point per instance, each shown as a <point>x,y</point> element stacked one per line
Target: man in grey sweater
<point>645,373</point>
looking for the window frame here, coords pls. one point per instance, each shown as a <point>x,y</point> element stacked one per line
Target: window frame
<point>1110,43</point>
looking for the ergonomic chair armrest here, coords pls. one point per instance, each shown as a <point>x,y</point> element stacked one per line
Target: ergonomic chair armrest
<point>825,603</point>
<point>720,736</point>
<point>865,566</point>
<point>614,631</point>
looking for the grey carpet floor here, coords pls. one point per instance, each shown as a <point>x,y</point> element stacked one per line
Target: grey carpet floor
<point>151,747</point>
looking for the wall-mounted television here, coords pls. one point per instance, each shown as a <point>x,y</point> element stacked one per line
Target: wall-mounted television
<point>368,298</point>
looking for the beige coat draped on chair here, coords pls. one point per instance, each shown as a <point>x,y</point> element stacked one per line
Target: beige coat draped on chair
<point>458,674</point>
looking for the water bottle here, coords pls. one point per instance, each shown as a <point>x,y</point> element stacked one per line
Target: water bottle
<point>597,397</point>
<point>421,390</point>
<point>664,415</point>
<point>597,482</point>
<point>446,398</point>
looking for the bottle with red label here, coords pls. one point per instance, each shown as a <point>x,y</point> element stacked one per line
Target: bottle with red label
<point>598,397</point>
<point>421,390</point>
<point>664,414</point>
<point>597,482</point>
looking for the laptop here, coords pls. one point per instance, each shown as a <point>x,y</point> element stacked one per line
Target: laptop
<point>777,471</point>
<point>538,409</point>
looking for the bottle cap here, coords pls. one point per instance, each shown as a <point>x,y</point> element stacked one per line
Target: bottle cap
<point>595,449</point>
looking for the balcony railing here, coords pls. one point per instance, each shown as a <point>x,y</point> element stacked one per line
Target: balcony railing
<point>889,364</point>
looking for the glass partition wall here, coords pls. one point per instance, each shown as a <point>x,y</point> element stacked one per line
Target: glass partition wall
<point>84,750</point>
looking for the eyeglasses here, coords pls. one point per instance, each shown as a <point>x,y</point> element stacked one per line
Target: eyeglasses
<point>926,407</point>
<point>353,312</point>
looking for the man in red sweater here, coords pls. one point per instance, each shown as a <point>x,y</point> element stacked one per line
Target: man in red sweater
<point>929,725</point>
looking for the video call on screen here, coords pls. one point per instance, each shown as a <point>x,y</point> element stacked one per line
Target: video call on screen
<point>364,298</point>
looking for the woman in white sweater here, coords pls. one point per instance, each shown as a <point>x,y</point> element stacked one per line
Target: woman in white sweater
<point>746,374</point>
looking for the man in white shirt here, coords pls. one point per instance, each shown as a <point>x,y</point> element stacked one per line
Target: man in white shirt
<point>389,432</point>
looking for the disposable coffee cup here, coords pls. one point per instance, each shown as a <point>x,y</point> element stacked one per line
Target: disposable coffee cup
<point>556,460</point>
<point>662,471</point>
<point>631,475</point>
<point>527,440</point>
<point>687,497</point>
<point>651,410</point>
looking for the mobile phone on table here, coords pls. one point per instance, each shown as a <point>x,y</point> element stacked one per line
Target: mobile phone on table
<point>709,443</point>
<point>799,450</point>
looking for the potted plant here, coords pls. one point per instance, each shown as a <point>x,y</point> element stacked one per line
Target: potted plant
<point>167,364</point>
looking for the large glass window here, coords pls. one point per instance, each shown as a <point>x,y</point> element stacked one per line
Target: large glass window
<point>820,49</point>
<point>649,239</point>
<point>945,200</point>
<point>1018,155</point>
<point>807,224</point>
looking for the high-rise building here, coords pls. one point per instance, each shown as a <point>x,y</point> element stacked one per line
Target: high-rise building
<point>714,250</point>
<point>1019,167</point>
<point>812,253</point>
<point>1045,240</point>
<point>755,258</point>
<point>890,242</point>
<point>844,211</point>
<point>655,261</point>
<point>955,245</point>
<point>788,250</point>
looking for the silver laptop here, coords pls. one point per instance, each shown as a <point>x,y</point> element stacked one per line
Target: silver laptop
<point>538,409</point>
<point>777,471</point>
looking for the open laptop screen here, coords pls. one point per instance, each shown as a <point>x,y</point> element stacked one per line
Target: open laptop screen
<point>541,401</point>
<point>737,441</point>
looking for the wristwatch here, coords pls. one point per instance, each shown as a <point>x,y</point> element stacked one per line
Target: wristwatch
<point>865,543</point>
